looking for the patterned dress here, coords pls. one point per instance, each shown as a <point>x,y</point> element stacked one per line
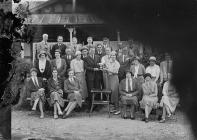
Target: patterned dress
<point>56,92</point>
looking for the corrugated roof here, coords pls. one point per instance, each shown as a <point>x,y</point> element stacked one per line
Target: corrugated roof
<point>62,19</point>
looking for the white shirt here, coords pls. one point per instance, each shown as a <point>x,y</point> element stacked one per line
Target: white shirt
<point>131,85</point>
<point>154,71</point>
<point>136,71</point>
<point>35,80</point>
<point>42,65</point>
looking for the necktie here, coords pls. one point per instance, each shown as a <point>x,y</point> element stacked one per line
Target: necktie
<point>129,88</point>
<point>92,56</point>
<point>36,81</point>
<point>122,58</point>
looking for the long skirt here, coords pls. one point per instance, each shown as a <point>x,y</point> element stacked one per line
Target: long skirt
<point>81,77</point>
<point>149,101</point>
<point>129,100</point>
<point>105,80</point>
<point>38,95</point>
<point>171,102</point>
<point>55,96</point>
<point>113,85</point>
<point>75,97</point>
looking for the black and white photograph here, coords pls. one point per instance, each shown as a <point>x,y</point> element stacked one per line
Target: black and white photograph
<point>98,69</point>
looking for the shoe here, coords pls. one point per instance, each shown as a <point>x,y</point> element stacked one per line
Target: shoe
<point>146,120</point>
<point>117,113</point>
<point>55,116</point>
<point>169,115</point>
<point>132,118</point>
<point>41,116</point>
<point>124,117</point>
<point>143,119</point>
<point>112,111</point>
<point>162,121</point>
<point>65,116</point>
<point>33,109</point>
<point>60,113</point>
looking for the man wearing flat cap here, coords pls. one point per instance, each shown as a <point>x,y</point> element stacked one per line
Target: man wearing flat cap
<point>153,69</point>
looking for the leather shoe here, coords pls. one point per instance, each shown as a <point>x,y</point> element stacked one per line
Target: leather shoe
<point>132,118</point>
<point>65,116</point>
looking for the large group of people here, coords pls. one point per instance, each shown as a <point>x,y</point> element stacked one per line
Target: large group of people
<point>72,71</point>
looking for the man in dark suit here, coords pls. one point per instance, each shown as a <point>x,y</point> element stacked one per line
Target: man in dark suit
<point>92,68</point>
<point>100,51</point>
<point>123,59</point>
<point>59,46</point>
<point>68,57</point>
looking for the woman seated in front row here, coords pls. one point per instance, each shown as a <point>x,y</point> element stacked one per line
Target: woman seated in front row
<point>129,94</point>
<point>169,99</point>
<point>55,86</point>
<point>149,99</point>
<point>73,89</point>
<point>35,87</point>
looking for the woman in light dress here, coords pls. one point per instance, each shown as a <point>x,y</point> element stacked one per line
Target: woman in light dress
<point>169,99</point>
<point>149,99</point>
<point>77,65</point>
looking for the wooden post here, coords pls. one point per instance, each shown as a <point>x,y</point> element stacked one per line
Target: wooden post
<point>71,34</point>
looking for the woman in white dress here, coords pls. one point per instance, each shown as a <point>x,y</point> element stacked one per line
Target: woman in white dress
<point>169,99</point>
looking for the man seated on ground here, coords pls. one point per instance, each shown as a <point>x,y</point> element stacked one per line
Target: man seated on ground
<point>128,91</point>
<point>169,99</point>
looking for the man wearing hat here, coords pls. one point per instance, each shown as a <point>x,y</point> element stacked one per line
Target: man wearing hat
<point>84,52</point>
<point>35,87</point>
<point>153,69</point>
<point>59,46</point>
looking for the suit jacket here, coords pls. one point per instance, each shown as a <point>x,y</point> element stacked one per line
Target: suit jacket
<point>55,86</point>
<point>89,65</point>
<point>122,88</point>
<point>120,59</point>
<point>100,55</point>
<point>62,47</point>
<point>42,46</point>
<point>71,87</point>
<point>141,70</point>
<point>32,87</point>
<point>164,71</point>
<point>62,70</point>
<point>68,60</point>
<point>47,72</point>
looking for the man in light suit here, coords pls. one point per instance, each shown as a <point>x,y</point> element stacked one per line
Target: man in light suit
<point>59,46</point>
<point>44,45</point>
